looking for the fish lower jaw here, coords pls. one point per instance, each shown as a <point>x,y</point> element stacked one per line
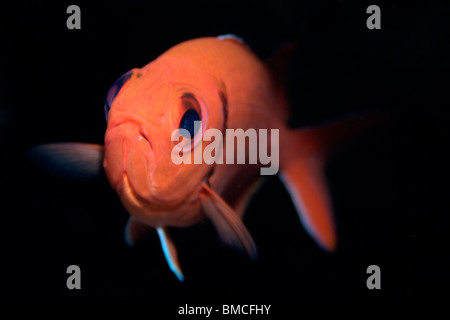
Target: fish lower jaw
<point>184,214</point>
<point>155,212</point>
<point>128,195</point>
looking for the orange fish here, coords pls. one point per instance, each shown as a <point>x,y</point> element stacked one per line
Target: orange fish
<point>221,82</point>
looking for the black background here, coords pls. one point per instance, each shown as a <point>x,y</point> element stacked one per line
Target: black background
<point>390,188</point>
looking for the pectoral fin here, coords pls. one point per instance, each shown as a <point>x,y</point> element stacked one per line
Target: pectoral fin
<point>229,226</point>
<point>72,161</point>
<point>170,252</point>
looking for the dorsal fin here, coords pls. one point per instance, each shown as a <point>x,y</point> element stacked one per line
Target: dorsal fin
<point>233,38</point>
<point>280,63</point>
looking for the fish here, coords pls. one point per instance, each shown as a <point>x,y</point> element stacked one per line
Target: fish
<point>221,82</point>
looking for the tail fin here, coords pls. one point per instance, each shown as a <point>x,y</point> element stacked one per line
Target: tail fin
<point>302,172</point>
<point>306,184</point>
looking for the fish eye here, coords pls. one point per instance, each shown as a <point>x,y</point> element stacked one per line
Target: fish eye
<point>114,90</point>
<point>188,120</point>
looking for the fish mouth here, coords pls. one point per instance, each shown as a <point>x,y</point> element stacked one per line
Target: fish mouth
<point>141,209</point>
<point>128,192</point>
<point>142,135</point>
<point>153,201</point>
<point>156,213</point>
<point>128,149</point>
<point>149,190</point>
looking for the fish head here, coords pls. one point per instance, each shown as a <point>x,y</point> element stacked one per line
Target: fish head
<point>144,108</point>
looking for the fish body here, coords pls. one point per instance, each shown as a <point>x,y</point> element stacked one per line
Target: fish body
<point>232,88</point>
<point>222,83</point>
